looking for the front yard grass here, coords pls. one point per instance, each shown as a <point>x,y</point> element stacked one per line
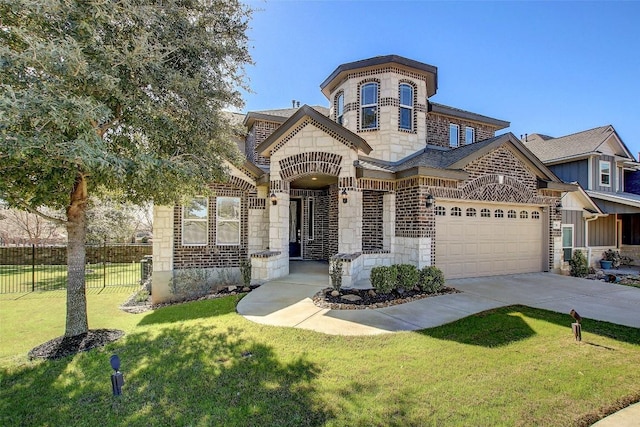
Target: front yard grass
<point>202,364</point>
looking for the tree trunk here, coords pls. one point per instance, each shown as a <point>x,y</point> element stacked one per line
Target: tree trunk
<point>76,254</point>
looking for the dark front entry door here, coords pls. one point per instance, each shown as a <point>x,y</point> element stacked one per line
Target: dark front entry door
<point>295,228</point>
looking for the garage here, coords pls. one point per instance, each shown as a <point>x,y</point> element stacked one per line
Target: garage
<point>486,239</point>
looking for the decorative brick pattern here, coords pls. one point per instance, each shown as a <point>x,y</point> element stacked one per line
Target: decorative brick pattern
<point>241,183</point>
<point>256,203</point>
<point>372,231</point>
<point>280,186</point>
<point>310,163</point>
<point>331,243</point>
<point>385,70</point>
<point>414,118</point>
<point>212,255</point>
<point>377,185</point>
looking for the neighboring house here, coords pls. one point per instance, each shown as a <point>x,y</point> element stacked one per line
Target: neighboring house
<point>383,176</point>
<point>598,160</point>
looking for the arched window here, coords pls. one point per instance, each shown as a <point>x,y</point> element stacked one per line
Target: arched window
<point>471,212</point>
<point>499,213</point>
<point>369,106</point>
<point>406,106</point>
<point>456,211</point>
<point>524,214</point>
<point>440,211</point>
<point>485,213</point>
<point>535,215</point>
<point>511,214</point>
<point>340,108</point>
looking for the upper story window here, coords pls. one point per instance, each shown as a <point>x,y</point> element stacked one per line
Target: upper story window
<point>340,108</point>
<point>605,173</point>
<point>369,106</point>
<point>454,135</point>
<point>195,222</point>
<point>406,107</point>
<point>469,135</point>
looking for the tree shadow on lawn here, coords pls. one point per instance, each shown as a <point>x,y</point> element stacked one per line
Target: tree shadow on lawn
<point>178,375</point>
<point>502,326</point>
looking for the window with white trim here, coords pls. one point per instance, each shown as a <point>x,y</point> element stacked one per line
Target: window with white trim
<point>195,222</point>
<point>511,213</point>
<point>499,213</point>
<point>485,213</point>
<point>471,212</point>
<point>455,211</point>
<point>440,211</point>
<point>340,108</point>
<point>469,135</point>
<point>605,173</point>
<point>406,107</point>
<point>454,135</point>
<point>369,106</point>
<point>535,215</point>
<point>227,221</point>
<point>567,241</point>
<point>524,215</point>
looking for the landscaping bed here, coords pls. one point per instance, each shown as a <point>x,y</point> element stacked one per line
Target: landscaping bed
<point>354,299</point>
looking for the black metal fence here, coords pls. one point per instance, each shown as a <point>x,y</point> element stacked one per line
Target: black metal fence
<point>39,268</point>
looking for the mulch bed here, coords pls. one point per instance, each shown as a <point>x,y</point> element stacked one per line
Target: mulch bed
<point>67,346</point>
<point>357,299</point>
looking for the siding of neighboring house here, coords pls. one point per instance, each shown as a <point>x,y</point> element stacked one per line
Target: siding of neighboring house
<point>573,172</point>
<point>595,179</point>
<point>602,231</point>
<point>575,218</point>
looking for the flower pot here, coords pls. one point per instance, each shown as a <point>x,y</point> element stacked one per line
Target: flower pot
<point>606,265</point>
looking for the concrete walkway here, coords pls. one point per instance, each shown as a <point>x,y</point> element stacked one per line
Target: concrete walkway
<point>287,302</point>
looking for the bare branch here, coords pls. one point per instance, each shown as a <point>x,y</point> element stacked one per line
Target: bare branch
<point>24,205</point>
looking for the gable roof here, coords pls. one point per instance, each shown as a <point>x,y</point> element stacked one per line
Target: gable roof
<point>576,145</point>
<point>306,111</point>
<point>450,162</point>
<point>467,115</point>
<point>277,115</point>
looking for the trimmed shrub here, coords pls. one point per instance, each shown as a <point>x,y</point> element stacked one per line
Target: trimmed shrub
<point>431,279</point>
<point>579,267</point>
<point>408,276</point>
<point>384,279</point>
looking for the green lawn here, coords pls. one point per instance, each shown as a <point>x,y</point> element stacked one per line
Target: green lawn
<point>15,278</point>
<point>184,365</point>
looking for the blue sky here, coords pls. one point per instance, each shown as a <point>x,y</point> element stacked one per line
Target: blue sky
<point>549,67</point>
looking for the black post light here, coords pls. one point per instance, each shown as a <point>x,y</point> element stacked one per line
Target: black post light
<point>117,379</point>
<point>344,195</point>
<point>559,207</point>
<point>274,199</point>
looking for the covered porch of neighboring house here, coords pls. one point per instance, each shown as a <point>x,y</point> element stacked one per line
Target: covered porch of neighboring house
<point>596,224</point>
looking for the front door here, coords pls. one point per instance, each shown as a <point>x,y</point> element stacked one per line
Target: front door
<point>295,228</point>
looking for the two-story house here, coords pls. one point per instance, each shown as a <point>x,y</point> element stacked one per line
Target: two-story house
<point>382,176</point>
<point>604,215</point>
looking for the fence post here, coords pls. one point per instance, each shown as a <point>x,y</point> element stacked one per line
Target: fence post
<point>33,267</point>
<point>104,264</point>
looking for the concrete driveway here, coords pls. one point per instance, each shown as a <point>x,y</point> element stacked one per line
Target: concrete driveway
<point>287,302</point>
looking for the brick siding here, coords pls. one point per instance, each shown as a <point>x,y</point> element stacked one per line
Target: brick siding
<point>438,130</point>
<point>372,231</point>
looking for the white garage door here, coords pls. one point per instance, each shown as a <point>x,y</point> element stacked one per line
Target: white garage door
<point>476,239</point>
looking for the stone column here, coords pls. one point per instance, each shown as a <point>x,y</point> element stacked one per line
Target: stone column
<point>162,253</point>
<point>350,223</point>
